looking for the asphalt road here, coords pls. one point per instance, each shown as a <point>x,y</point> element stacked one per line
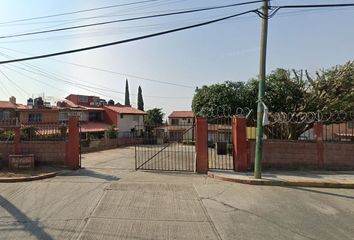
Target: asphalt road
<point>108,199</point>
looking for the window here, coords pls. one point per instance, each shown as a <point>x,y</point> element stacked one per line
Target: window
<point>95,116</point>
<point>34,117</point>
<point>4,114</point>
<point>121,116</point>
<point>83,99</point>
<point>175,121</point>
<point>63,116</point>
<point>189,120</point>
<point>135,118</point>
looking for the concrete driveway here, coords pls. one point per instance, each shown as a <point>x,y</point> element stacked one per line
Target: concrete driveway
<point>108,199</point>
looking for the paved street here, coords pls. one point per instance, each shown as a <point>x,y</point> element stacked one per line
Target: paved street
<point>108,199</point>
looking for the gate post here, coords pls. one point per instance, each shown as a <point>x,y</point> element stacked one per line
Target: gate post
<point>201,144</point>
<point>73,144</point>
<point>17,140</point>
<point>239,143</point>
<point>318,129</point>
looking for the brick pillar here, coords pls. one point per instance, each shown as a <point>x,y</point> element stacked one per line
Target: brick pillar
<point>17,140</point>
<point>201,144</point>
<point>318,129</point>
<point>239,144</point>
<point>73,144</point>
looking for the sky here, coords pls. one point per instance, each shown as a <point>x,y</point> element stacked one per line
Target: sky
<point>168,67</point>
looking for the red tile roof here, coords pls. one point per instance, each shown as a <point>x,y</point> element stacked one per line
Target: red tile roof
<point>125,110</point>
<point>94,126</point>
<point>181,114</point>
<point>7,105</point>
<point>70,103</point>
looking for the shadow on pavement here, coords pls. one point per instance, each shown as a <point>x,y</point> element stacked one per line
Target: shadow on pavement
<point>321,192</point>
<point>90,173</point>
<point>28,224</point>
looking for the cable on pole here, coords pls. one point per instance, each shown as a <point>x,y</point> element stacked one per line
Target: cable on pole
<point>128,19</point>
<point>126,40</point>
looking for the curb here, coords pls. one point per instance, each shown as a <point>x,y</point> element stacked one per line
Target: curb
<point>27,179</point>
<point>284,183</point>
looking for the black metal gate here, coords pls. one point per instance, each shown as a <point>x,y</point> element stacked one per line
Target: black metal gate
<point>165,148</point>
<point>220,145</point>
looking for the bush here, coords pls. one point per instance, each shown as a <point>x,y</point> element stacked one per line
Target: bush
<point>111,132</point>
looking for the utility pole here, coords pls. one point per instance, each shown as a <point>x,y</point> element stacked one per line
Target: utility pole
<point>261,86</point>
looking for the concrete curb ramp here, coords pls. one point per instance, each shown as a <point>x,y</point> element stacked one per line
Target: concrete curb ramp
<point>273,182</point>
<point>27,179</point>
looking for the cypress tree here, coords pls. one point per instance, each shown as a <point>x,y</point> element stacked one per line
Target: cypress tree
<point>140,99</point>
<point>127,98</point>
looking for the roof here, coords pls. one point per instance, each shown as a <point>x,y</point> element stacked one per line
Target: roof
<point>94,126</point>
<point>91,108</point>
<point>70,103</point>
<point>7,105</point>
<point>125,110</point>
<point>181,114</point>
<point>32,109</point>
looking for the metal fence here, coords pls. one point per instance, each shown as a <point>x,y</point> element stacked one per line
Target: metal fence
<point>44,132</point>
<point>220,145</point>
<point>337,126</point>
<point>165,148</point>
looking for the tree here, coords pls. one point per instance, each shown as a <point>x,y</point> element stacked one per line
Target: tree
<point>127,97</point>
<point>154,117</point>
<point>140,99</point>
<point>290,92</point>
<point>220,99</point>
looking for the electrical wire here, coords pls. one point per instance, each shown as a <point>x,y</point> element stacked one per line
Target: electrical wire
<point>127,40</point>
<point>69,81</point>
<point>79,11</point>
<point>17,87</point>
<point>130,19</point>
<point>108,71</point>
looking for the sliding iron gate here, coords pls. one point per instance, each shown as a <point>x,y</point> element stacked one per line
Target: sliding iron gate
<point>165,148</point>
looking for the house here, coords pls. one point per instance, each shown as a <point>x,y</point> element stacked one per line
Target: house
<point>96,116</point>
<point>90,111</point>
<point>126,119</point>
<point>180,126</point>
<point>36,112</point>
<point>8,111</point>
<point>181,118</point>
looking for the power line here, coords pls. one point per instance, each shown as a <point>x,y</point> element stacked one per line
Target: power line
<point>69,81</point>
<point>127,40</point>
<point>14,83</point>
<point>275,9</point>
<point>79,11</point>
<point>108,71</point>
<point>130,19</point>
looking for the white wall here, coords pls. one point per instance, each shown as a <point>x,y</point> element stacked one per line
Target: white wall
<point>181,121</point>
<point>127,122</point>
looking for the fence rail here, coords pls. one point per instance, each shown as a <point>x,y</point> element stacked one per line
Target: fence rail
<point>165,148</point>
<point>44,132</point>
<point>220,145</point>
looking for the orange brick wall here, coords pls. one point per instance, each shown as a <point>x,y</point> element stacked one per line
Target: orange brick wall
<point>303,155</point>
<point>339,156</point>
<point>47,153</point>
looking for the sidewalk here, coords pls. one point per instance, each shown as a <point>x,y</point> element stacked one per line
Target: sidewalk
<point>325,179</point>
